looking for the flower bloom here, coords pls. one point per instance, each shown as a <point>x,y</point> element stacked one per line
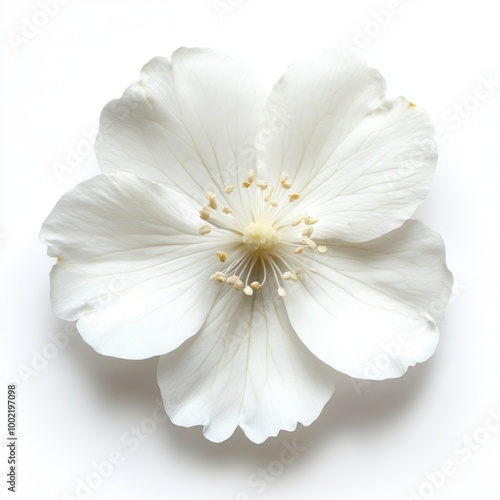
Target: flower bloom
<point>258,243</point>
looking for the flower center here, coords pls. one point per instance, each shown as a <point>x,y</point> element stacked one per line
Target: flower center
<point>260,237</point>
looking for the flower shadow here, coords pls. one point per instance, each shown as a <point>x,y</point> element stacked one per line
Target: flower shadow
<point>363,406</point>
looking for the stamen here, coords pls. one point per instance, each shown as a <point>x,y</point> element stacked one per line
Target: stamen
<point>222,256</point>
<point>239,285</point>
<point>232,279</point>
<point>293,197</point>
<point>284,181</point>
<point>268,194</point>
<point>287,275</point>
<point>219,277</point>
<point>255,285</point>
<point>262,185</point>
<point>204,230</point>
<point>311,220</point>
<point>212,202</point>
<point>310,243</point>
<point>228,189</point>
<point>204,215</point>
<point>298,220</point>
<point>298,250</point>
<point>281,292</point>
<point>250,178</point>
<point>248,290</point>
<point>322,249</point>
<point>307,231</point>
<point>273,203</point>
<point>227,210</point>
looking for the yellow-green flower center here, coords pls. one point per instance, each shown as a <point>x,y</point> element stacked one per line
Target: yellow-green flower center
<point>259,237</point>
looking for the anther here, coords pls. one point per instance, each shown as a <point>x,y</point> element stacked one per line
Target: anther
<point>239,285</point>
<point>309,243</point>
<point>322,249</point>
<point>255,285</point>
<point>284,181</point>
<point>232,279</point>
<point>262,185</point>
<point>219,277</point>
<point>298,250</point>
<point>281,292</point>
<point>250,178</point>
<point>248,290</point>
<point>227,210</point>
<point>268,194</point>
<point>204,215</point>
<point>212,202</point>
<point>228,189</point>
<point>298,220</point>
<point>204,230</point>
<point>307,231</point>
<point>311,220</point>
<point>273,203</point>
<point>222,256</point>
<point>293,197</point>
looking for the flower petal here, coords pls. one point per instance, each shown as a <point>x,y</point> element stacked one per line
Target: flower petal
<point>132,267</point>
<point>246,367</point>
<point>371,309</point>
<point>361,163</point>
<point>189,123</point>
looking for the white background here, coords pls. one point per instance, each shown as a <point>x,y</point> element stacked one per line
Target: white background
<point>377,442</point>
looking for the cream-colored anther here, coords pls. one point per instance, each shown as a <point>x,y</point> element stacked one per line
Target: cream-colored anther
<point>298,271</point>
<point>298,220</point>
<point>322,249</point>
<point>309,243</point>
<point>219,277</point>
<point>256,285</point>
<point>273,203</point>
<point>228,189</point>
<point>293,197</point>
<point>311,220</point>
<point>222,256</point>
<point>204,230</point>
<point>268,194</point>
<point>232,279</point>
<point>307,231</point>
<point>212,202</point>
<point>262,185</point>
<point>204,215</point>
<point>281,291</point>
<point>239,285</point>
<point>248,290</point>
<point>298,250</point>
<point>288,276</point>
<point>226,210</point>
<point>284,181</point>
<point>250,177</point>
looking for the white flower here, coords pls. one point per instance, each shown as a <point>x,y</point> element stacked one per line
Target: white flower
<point>257,244</point>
